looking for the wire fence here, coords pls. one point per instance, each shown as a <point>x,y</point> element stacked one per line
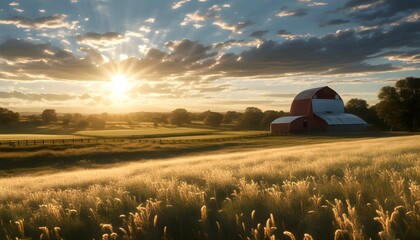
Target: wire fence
<point>105,140</point>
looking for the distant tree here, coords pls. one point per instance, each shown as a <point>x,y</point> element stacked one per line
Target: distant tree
<point>83,124</point>
<point>202,116</point>
<point>399,106</point>
<point>180,117</point>
<point>213,119</point>
<point>361,108</point>
<point>77,117</point>
<point>231,116</point>
<point>97,123</point>
<point>251,118</point>
<point>66,122</point>
<point>33,118</point>
<point>358,107</point>
<point>7,116</point>
<point>49,115</point>
<point>270,116</point>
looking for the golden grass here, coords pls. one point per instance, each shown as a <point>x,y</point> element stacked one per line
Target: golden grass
<point>345,190</point>
<point>149,131</point>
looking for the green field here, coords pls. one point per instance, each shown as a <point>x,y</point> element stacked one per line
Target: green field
<point>36,136</point>
<point>338,188</point>
<point>144,132</point>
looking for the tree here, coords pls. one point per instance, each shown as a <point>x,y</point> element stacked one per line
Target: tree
<point>49,115</point>
<point>251,118</point>
<point>97,123</point>
<point>269,117</point>
<point>358,107</point>
<point>213,119</point>
<point>7,116</point>
<point>361,108</point>
<point>231,116</point>
<point>202,116</point>
<point>399,106</point>
<point>180,117</point>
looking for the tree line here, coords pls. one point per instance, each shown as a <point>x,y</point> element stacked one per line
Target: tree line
<point>398,110</point>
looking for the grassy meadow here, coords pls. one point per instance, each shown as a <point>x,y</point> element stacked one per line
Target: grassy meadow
<point>358,189</point>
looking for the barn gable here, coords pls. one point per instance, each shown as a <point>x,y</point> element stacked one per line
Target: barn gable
<point>317,109</point>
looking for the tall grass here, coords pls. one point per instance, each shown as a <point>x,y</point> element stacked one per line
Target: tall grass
<point>349,190</point>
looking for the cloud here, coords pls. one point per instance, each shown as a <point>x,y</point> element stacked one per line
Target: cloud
<point>23,60</point>
<point>196,17</point>
<point>187,51</point>
<point>235,28</point>
<point>335,22</point>
<point>218,8</point>
<point>284,12</point>
<point>341,52</point>
<point>179,4</point>
<point>55,21</point>
<point>349,51</point>
<point>379,11</point>
<point>280,95</point>
<point>290,36</point>
<point>150,20</point>
<point>98,39</point>
<point>36,97</point>
<point>315,4</point>
<point>258,34</point>
<point>17,50</point>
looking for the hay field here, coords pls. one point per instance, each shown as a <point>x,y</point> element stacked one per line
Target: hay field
<point>144,132</point>
<point>345,190</point>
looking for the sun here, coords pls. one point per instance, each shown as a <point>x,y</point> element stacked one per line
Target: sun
<point>119,86</point>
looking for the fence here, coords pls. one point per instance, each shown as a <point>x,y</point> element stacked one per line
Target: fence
<point>86,141</point>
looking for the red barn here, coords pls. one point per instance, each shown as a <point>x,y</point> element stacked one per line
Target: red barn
<point>317,109</point>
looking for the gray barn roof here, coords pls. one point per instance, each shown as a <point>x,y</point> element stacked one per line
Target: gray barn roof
<point>307,94</point>
<point>341,118</point>
<point>287,119</point>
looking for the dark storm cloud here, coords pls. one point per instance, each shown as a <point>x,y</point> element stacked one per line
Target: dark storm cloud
<point>259,34</point>
<point>56,21</point>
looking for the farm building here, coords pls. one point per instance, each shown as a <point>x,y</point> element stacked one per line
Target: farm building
<point>317,109</point>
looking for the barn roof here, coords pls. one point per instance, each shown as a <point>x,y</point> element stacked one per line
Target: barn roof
<point>341,118</point>
<point>309,93</point>
<point>287,119</point>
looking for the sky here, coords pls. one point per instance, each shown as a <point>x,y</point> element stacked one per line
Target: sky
<point>93,56</point>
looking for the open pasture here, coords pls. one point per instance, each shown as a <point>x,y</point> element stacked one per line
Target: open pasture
<point>144,132</point>
<point>344,190</point>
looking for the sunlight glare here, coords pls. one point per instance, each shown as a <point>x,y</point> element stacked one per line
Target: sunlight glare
<point>119,86</point>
